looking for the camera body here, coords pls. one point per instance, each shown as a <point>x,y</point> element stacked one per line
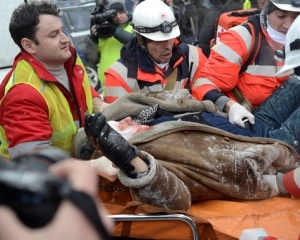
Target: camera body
<point>102,18</point>
<point>30,190</point>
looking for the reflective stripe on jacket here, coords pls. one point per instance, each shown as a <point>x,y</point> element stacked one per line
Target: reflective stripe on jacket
<point>136,72</point>
<point>224,64</point>
<point>59,112</point>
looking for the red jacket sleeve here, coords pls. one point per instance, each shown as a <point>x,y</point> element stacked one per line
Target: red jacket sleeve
<point>223,65</point>
<point>24,113</point>
<point>94,93</point>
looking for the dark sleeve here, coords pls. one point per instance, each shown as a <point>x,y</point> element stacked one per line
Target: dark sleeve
<point>212,95</point>
<point>223,123</point>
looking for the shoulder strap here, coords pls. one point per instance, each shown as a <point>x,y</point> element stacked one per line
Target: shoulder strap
<point>88,207</point>
<point>251,56</point>
<point>171,80</point>
<point>254,48</point>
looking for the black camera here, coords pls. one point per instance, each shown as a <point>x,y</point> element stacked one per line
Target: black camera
<point>102,18</point>
<point>29,189</point>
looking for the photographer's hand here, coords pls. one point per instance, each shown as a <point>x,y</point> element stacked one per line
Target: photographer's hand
<point>111,27</point>
<point>94,30</point>
<point>68,222</point>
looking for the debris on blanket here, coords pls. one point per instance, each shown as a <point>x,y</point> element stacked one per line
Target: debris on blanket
<point>170,95</point>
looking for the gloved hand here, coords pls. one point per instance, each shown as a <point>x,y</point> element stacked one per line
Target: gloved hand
<point>237,113</point>
<point>111,143</point>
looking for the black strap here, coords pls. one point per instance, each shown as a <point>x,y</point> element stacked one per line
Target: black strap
<point>295,45</point>
<point>252,54</point>
<point>244,13</point>
<point>254,49</point>
<point>88,207</point>
<point>188,84</point>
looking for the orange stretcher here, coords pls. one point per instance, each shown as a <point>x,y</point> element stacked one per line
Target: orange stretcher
<point>214,219</point>
<point>280,217</point>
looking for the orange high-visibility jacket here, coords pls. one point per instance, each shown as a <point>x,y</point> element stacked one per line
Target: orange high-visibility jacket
<point>221,71</point>
<point>136,72</point>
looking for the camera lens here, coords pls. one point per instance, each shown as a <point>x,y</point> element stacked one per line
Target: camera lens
<point>41,159</point>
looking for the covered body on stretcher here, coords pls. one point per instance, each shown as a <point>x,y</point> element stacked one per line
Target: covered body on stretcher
<point>192,162</point>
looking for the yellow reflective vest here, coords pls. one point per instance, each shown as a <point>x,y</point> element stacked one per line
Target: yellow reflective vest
<point>59,112</point>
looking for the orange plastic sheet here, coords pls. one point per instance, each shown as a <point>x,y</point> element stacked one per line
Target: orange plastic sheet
<point>280,217</point>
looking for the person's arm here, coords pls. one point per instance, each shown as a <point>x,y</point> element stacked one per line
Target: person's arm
<point>99,105</point>
<point>113,145</point>
<point>123,36</point>
<point>115,85</point>
<point>25,118</point>
<point>103,167</point>
<point>82,178</point>
<point>220,74</point>
<point>138,169</point>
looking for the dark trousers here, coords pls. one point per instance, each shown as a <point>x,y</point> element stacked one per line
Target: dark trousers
<point>278,117</point>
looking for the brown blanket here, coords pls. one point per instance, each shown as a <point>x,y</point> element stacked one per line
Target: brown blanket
<point>214,164</point>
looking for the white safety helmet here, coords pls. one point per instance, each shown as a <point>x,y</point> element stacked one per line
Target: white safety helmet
<point>292,47</point>
<point>287,5</point>
<point>155,20</point>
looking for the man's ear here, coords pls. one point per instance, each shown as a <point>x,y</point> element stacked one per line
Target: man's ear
<point>28,45</point>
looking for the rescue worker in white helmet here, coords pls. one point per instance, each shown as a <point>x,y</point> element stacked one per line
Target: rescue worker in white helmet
<point>225,74</point>
<point>240,169</point>
<point>154,60</point>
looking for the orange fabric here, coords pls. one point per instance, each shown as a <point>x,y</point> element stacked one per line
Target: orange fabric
<point>114,80</point>
<point>227,20</point>
<point>152,77</point>
<point>280,217</point>
<point>254,87</point>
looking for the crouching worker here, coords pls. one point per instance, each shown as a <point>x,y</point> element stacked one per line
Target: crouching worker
<point>243,173</point>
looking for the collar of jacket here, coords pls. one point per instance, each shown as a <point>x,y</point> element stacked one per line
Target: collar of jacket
<point>255,21</point>
<point>135,57</point>
<point>259,20</point>
<point>38,67</point>
<point>41,71</point>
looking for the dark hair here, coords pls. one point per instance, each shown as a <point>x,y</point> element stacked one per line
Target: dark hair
<point>25,18</point>
<point>119,7</point>
<point>270,7</point>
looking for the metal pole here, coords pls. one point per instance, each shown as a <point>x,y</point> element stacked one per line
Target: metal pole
<point>154,217</point>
